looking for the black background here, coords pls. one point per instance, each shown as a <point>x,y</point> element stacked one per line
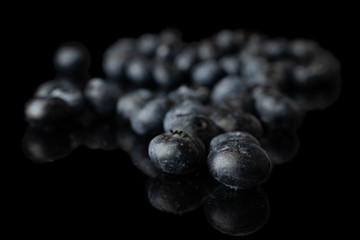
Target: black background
<point>102,192</point>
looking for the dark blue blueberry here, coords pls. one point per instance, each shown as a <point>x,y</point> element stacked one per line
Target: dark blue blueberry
<point>170,45</point>
<point>254,69</point>
<point>147,44</point>
<point>186,60</point>
<point>138,71</point>
<point>47,112</point>
<point>237,213</point>
<point>231,121</point>
<point>276,109</point>
<point>226,87</point>
<point>237,103</point>
<point>72,58</point>
<point>225,40</point>
<point>276,49</point>
<point>196,93</point>
<point>46,146</point>
<point>177,152</point>
<point>303,51</point>
<point>149,119</point>
<point>175,115</point>
<point>131,102</point>
<point>206,73</point>
<point>207,50</point>
<point>230,64</point>
<point>63,90</point>
<point>230,136</point>
<point>320,71</point>
<point>175,194</point>
<point>198,125</point>
<point>165,75</point>
<point>102,96</point>
<point>281,146</point>
<point>254,44</point>
<point>239,165</point>
<point>116,58</point>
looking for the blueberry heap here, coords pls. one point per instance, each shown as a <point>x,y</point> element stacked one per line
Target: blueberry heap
<point>221,103</point>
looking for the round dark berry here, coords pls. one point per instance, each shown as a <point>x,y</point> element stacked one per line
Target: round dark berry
<point>229,136</point>
<point>147,44</point>
<point>138,71</point>
<point>46,112</point>
<point>175,115</point>
<point>226,87</point>
<point>275,109</point>
<point>225,40</point>
<point>165,75</point>
<point>237,121</point>
<point>177,152</point>
<point>149,119</point>
<point>102,96</point>
<point>230,64</point>
<point>206,73</point>
<point>196,93</point>
<point>207,50</point>
<point>239,165</point>
<point>198,125</point>
<point>130,103</point>
<point>186,60</point>
<point>72,58</point>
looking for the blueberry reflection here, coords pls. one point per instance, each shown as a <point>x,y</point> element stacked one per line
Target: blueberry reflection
<point>101,135</point>
<point>42,146</point>
<point>237,213</point>
<point>280,145</point>
<point>176,194</point>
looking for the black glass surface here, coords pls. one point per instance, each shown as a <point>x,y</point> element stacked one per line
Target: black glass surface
<point>101,181</point>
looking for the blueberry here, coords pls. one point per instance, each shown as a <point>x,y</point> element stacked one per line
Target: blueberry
<point>197,125</point>
<point>102,96</point>
<point>131,102</point>
<point>281,146</point>
<point>239,165</point>
<point>227,86</point>
<point>225,40</point>
<point>149,119</point>
<point>138,71</point>
<point>186,60</point>
<point>72,58</point>
<point>320,71</point>
<point>170,45</point>
<point>165,75</point>
<point>46,112</point>
<point>237,103</point>
<point>207,50</point>
<point>237,121</point>
<point>184,92</point>
<point>170,36</point>
<point>303,51</point>
<point>237,213</point>
<point>147,44</point>
<point>254,69</point>
<point>177,152</point>
<point>230,64</point>
<point>206,73</point>
<point>175,194</point>
<point>101,135</point>
<point>175,115</point>
<point>276,109</point>
<point>46,146</point>
<point>63,90</point>
<point>114,65</point>
<point>229,136</point>
<point>276,49</point>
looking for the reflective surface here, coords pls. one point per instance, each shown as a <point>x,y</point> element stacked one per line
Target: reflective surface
<point>89,190</point>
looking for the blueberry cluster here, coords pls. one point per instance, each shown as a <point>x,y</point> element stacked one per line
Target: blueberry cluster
<point>222,102</point>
